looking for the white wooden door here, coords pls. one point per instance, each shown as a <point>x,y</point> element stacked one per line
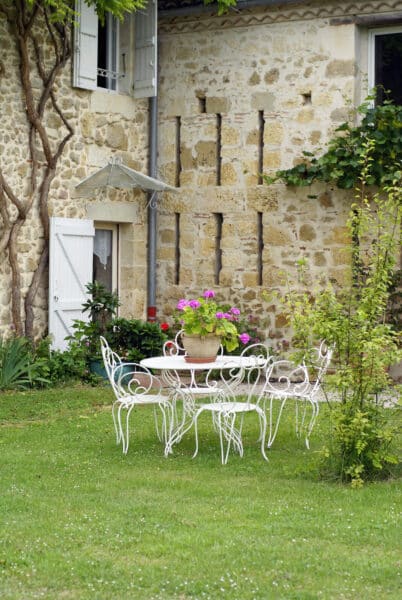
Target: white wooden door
<point>70,269</point>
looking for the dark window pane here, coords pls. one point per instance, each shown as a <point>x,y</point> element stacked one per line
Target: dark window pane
<point>102,53</point>
<point>388,67</point>
<point>107,40</point>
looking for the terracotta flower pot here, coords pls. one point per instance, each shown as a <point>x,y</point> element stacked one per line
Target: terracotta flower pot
<point>201,348</point>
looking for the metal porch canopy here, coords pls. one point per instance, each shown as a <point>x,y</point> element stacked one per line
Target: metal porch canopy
<point>117,175</point>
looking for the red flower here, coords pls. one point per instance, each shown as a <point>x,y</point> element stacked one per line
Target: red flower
<point>164,326</point>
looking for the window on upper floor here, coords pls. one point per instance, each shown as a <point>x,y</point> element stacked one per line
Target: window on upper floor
<point>108,44</point>
<point>118,55</point>
<point>385,63</point>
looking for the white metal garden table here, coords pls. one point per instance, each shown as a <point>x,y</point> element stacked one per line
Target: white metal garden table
<point>181,377</point>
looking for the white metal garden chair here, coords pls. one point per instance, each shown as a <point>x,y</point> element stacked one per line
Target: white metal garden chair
<point>134,385</point>
<point>302,382</point>
<point>110,361</point>
<point>144,388</point>
<point>228,407</point>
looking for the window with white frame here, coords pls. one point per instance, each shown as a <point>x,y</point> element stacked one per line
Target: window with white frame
<point>108,43</point>
<point>105,255</point>
<point>385,63</point>
<point>117,55</point>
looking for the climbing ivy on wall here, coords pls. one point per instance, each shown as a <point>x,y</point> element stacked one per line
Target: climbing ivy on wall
<point>341,163</point>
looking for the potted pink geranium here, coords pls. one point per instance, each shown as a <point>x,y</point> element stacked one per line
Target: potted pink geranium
<point>204,319</point>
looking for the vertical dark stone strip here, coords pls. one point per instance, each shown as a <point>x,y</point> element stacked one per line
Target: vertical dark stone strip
<point>218,249</point>
<point>178,152</point>
<point>260,248</point>
<point>218,149</point>
<point>261,125</point>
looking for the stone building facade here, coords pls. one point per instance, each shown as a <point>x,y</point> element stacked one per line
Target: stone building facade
<point>244,94</point>
<point>238,95</point>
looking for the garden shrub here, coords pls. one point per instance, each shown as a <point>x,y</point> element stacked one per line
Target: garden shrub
<point>354,320</point>
<point>134,339</point>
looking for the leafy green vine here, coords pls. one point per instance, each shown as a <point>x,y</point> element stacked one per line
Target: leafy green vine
<point>342,162</point>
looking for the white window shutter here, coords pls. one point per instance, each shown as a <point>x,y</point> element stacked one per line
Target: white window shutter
<point>85,61</point>
<point>70,269</point>
<point>126,63</point>
<point>145,51</point>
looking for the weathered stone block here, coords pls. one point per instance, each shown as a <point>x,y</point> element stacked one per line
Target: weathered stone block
<point>186,158</point>
<point>271,76</point>
<point>228,175</point>
<point>254,79</point>
<point>320,259</point>
<point>307,233</point>
<point>230,135</point>
<point>263,101</point>
<point>273,133</point>
<point>272,160</point>
<point>205,154</point>
<point>217,105</point>
<point>341,256</point>
<point>306,115</point>
<point>340,68</point>
<point>167,236</point>
<point>253,137</point>
<point>249,279</point>
<point>278,236</point>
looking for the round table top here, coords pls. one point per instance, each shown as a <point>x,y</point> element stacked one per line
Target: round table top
<point>179,363</point>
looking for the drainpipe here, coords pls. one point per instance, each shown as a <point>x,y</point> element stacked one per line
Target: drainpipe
<point>152,207</point>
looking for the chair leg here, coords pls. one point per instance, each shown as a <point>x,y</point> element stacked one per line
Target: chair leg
<point>116,424</point>
<point>158,432</point>
<point>186,423</point>
<point>315,410</point>
<point>120,426</point>
<point>263,429</point>
<point>219,426</point>
<point>231,433</point>
<point>272,435</point>
<point>169,434</point>
<point>127,440</point>
<point>195,421</point>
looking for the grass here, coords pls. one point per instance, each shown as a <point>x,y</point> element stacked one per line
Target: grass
<point>80,520</point>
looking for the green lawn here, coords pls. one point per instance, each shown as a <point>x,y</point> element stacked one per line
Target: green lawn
<point>80,520</point>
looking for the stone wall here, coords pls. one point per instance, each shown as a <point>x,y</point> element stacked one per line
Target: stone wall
<point>105,124</point>
<point>235,98</point>
<point>238,94</point>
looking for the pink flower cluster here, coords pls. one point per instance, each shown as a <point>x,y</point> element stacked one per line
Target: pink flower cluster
<point>232,314</point>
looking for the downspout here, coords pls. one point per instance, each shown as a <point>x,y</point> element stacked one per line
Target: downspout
<point>152,208</point>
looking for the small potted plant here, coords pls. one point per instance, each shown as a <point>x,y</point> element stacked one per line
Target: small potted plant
<point>102,306</point>
<point>206,325</point>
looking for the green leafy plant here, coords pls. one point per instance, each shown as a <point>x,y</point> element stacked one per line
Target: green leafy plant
<point>56,366</point>
<point>20,366</point>
<point>354,320</point>
<point>101,305</point>
<point>14,363</point>
<point>134,339</point>
<point>380,126</point>
<point>204,316</point>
